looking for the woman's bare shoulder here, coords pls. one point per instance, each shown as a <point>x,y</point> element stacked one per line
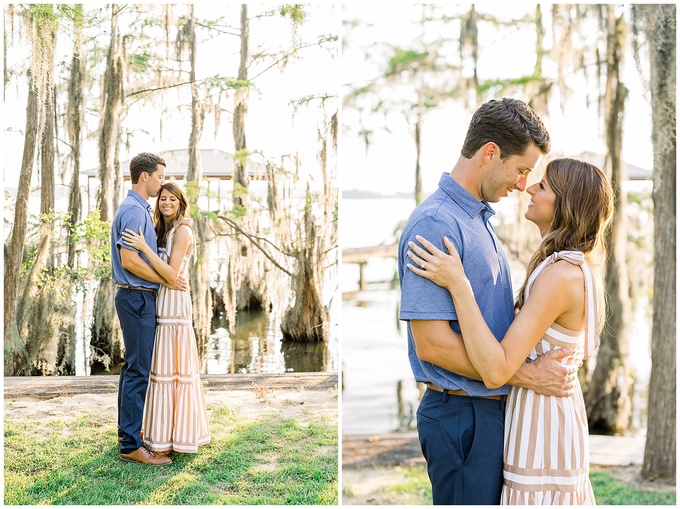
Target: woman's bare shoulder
<point>562,274</point>
<point>184,231</point>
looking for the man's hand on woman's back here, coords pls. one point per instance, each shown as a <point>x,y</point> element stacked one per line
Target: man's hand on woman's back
<point>547,375</point>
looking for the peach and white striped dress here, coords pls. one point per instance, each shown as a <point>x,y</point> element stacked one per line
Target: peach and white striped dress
<point>546,457</point>
<point>175,413</point>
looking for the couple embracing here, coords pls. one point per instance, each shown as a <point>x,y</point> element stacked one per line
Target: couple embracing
<point>161,404</point>
<point>503,418</point>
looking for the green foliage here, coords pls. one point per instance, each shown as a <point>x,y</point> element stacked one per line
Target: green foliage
<point>95,236</point>
<point>296,13</point>
<point>408,59</point>
<point>139,62</point>
<point>224,84</point>
<point>366,89</point>
<point>42,12</point>
<point>92,234</point>
<point>307,99</point>
<point>239,211</point>
<point>192,189</point>
<point>74,13</point>
<point>504,83</point>
<point>239,189</point>
<point>208,214</point>
<point>241,156</point>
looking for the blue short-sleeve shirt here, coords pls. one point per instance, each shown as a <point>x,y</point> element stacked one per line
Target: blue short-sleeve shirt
<point>452,211</point>
<point>134,213</point>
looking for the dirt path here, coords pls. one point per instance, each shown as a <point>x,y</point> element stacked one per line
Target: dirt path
<point>291,396</point>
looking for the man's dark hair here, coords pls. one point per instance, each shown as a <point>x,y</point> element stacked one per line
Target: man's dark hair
<point>144,162</point>
<point>509,123</point>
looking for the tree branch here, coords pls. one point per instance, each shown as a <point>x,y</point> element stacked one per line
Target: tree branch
<point>254,241</point>
<point>303,46</point>
<point>182,84</point>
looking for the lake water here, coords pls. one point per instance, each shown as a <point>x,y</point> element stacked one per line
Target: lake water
<point>257,347</point>
<point>379,393</point>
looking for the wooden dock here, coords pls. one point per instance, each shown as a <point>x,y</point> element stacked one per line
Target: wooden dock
<point>46,387</point>
<point>361,255</point>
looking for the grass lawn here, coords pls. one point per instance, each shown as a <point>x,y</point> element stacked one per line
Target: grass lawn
<point>268,460</point>
<point>411,486</point>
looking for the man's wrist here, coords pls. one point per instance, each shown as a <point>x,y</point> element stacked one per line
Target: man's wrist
<point>523,377</point>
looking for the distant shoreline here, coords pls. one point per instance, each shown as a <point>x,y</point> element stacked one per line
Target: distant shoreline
<point>358,194</point>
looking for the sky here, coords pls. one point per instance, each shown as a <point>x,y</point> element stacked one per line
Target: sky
<point>269,125</point>
<point>388,166</point>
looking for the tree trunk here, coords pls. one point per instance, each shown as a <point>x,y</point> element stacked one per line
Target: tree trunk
<point>14,347</point>
<point>309,319</point>
<point>201,294</point>
<point>106,337</point>
<point>248,266</point>
<point>525,234</point>
<point>659,458</point>
<point>240,174</point>
<point>42,335</point>
<point>607,398</point>
<point>74,122</point>
<point>419,176</point>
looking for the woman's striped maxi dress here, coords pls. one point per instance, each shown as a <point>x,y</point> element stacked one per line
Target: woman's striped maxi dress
<point>175,414</point>
<point>546,437</point>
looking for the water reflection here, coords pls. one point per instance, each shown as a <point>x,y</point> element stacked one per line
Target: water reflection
<point>257,347</point>
<point>405,410</point>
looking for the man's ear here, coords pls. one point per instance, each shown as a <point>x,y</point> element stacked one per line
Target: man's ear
<point>490,151</point>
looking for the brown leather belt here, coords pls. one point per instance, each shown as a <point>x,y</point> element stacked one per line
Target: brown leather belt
<point>459,392</point>
<point>128,287</point>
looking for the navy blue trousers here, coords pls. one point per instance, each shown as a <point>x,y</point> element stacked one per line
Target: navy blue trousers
<point>137,315</point>
<point>462,441</point>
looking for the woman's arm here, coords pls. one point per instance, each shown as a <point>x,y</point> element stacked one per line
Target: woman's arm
<point>551,297</point>
<point>169,272</point>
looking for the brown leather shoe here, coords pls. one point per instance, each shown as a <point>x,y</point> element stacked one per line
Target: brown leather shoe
<point>145,457</point>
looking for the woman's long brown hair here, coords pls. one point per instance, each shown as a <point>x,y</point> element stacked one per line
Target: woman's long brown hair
<point>584,207</point>
<point>182,213</point>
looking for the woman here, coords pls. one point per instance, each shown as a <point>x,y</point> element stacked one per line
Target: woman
<point>546,438</point>
<point>175,414</point>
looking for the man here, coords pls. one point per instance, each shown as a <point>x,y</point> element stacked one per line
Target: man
<point>137,285</point>
<point>460,421</point>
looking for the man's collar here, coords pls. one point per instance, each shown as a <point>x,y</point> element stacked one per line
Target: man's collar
<point>139,198</point>
<point>471,205</point>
